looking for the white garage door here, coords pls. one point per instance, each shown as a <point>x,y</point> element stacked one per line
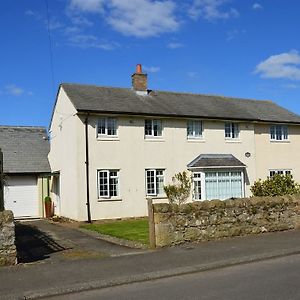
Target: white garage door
<point>21,196</point>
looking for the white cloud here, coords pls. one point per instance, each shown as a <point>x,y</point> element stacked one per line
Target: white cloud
<point>257,6</point>
<point>90,41</point>
<point>142,18</point>
<point>174,45</point>
<point>192,74</point>
<point>92,6</point>
<point>212,10</point>
<point>284,65</point>
<point>290,86</point>
<point>139,18</point>
<point>14,90</point>
<point>151,69</point>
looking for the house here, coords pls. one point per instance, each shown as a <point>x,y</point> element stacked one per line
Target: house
<point>25,164</point>
<point>111,148</point>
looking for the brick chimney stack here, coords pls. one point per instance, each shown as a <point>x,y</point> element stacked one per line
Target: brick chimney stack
<point>139,80</point>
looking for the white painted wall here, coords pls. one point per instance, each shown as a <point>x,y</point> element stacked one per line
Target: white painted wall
<point>131,153</point>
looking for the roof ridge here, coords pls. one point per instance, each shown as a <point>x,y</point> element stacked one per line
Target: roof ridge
<point>22,127</point>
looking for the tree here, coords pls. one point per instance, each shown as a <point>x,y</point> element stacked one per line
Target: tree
<point>277,185</point>
<point>180,189</point>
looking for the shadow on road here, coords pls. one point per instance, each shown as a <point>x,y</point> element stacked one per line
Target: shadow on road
<point>34,245</point>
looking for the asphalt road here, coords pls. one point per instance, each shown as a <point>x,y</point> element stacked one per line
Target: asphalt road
<point>271,279</point>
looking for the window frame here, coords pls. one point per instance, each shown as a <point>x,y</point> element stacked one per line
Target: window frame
<point>280,172</point>
<point>152,135</point>
<point>198,180</point>
<point>109,177</point>
<point>156,182</point>
<point>277,135</point>
<point>232,134</point>
<point>106,127</point>
<point>193,136</point>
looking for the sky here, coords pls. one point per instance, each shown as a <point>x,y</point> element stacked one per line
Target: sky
<point>239,48</point>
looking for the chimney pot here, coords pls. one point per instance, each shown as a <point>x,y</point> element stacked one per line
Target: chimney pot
<point>138,68</point>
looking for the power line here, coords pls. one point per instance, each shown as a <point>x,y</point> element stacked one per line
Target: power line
<point>50,47</point>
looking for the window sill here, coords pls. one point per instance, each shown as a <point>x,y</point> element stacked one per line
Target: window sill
<point>113,199</point>
<point>195,140</point>
<point>238,141</point>
<point>156,197</point>
<point>107,138</point>
<point>280,141</point>
<point>154,139</point>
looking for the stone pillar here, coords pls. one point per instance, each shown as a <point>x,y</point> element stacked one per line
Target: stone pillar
<point>8,251</point>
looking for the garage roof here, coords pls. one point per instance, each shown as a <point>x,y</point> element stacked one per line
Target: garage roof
<point>25,149</point>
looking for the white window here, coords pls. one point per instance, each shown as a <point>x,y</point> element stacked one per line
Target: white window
<point>197,186</point>
<point>280,172</point>
<point>231,130</point>
<point>153,128</point>
<point>155,182</point>
<point>224,185</point>
<point>194,129</point>
<point>108,183</point>
<point>279,133</point>
<point>107,127</point>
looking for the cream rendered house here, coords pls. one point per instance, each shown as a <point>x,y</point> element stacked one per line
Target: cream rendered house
<point>111,148</point>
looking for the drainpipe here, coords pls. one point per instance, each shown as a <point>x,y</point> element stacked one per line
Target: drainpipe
<point>87,170</point>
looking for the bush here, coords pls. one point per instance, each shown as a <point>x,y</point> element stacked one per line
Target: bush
<point>180,190</point>
<point>277,185</point>
<point>47,199</point>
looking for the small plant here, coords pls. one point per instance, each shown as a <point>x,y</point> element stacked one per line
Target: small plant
<point>47,199</point>
<point>179,191</point>
<point>277,185</point>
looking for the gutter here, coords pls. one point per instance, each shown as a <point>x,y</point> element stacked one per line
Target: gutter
<point>87,169</point>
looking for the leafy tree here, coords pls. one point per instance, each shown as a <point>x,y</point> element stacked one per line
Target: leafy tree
<point>277,185</point>
<point>180,189</point>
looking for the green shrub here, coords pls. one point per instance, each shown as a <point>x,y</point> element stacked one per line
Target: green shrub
<point>277,185</point>
<point>180,190</point>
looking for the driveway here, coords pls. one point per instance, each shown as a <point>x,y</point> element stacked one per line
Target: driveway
<point>44,241</point>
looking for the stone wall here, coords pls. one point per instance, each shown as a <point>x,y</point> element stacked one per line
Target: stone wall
<point>8,252</point>
<point>215,219</point>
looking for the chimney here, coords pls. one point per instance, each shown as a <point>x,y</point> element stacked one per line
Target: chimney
<point>139,80</point>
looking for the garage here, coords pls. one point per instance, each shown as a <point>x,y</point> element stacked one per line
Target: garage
<point>21,196</point>
<point>26,169</point>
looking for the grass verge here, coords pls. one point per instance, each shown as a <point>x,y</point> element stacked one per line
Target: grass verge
<point>133,230</point>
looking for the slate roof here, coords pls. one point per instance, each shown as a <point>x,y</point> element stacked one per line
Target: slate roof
<point>215,160</point>
<point>88,98</point>
<point>25,149</point>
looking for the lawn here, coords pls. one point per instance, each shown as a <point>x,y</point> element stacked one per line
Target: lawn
<point>133,230</point>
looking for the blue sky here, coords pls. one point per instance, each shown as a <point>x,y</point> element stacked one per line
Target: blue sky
<point>247,49</point>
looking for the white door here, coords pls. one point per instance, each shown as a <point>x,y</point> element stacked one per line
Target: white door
<point>21,196</point>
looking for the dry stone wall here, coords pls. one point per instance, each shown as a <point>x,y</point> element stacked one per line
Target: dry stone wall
<point>8,252</point>
<point>215,219</point>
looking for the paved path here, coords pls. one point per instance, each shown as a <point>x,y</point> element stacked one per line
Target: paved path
<point>42,241</point>
<point>55,278</point>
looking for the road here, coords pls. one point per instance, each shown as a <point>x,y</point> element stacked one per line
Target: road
<point>271,279</point>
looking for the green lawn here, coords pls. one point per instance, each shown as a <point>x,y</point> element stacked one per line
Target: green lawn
<point>133,230</point>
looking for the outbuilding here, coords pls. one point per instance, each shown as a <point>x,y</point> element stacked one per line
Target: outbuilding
<point>26,168</point>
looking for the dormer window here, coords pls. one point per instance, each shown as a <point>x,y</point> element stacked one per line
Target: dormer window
<point>231,130</point>
<point>279,133</point>
<point>153,128</point>
<point>107,127</point>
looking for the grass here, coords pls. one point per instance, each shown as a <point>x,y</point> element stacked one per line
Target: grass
<point>133,230</point>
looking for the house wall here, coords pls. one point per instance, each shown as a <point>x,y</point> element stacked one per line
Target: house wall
<point>277,154</point>
<point>132,154</point>
<point>63,156</point>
